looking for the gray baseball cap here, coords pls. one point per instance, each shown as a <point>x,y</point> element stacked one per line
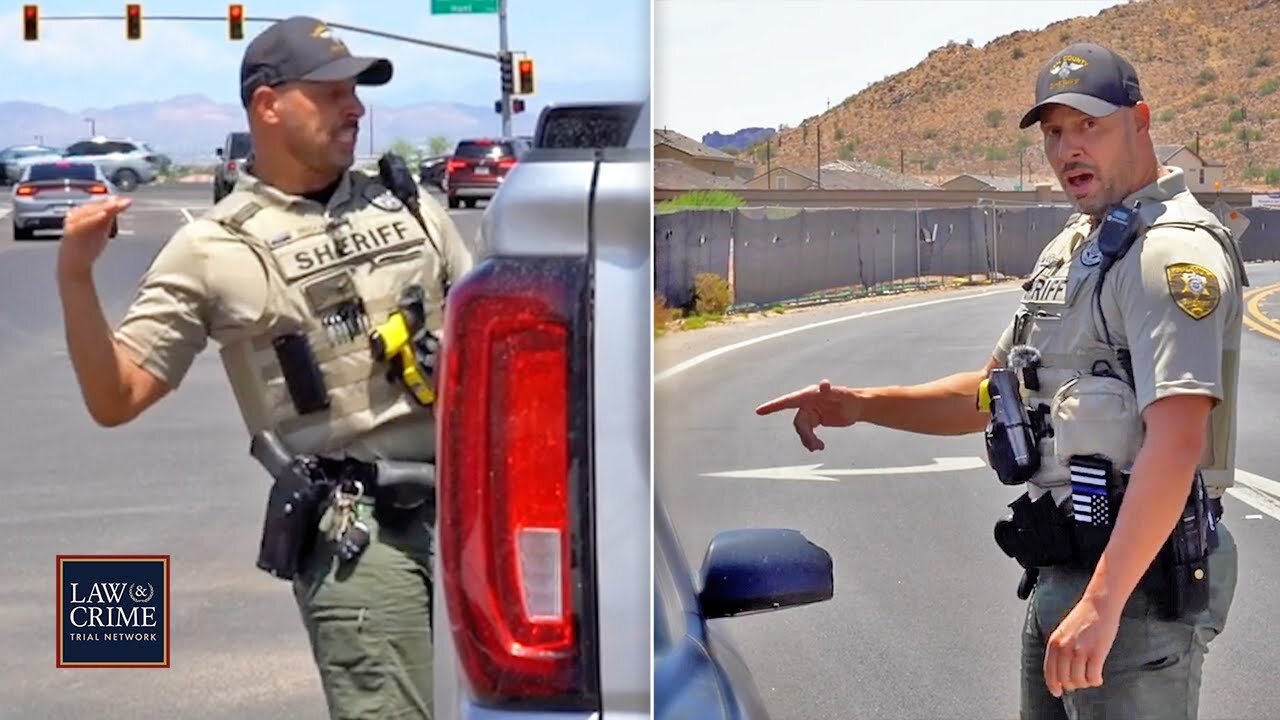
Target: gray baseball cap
<point>1087,77</point>
<point>304,48</point>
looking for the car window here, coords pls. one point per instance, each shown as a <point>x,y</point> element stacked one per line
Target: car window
<point>119,147</point>
<point>478,150</point>
<point>240,145</point>
<point>604,126</point>
<point>62,171</point>
<point>83,148</point>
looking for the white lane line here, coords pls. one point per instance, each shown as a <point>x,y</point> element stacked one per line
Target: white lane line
<point>4,212</point>
<point>811,472</point>
<point>186,214</point>
<point>1254,490</point>
<point>699,359</point>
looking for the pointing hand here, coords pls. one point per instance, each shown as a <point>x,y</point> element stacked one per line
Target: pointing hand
<point>817,405</point>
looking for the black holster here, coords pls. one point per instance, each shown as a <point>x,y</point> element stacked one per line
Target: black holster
<point>293,505</point>
<point>1036,534</point>
<point>1179,578</point>
<point>289,528</point>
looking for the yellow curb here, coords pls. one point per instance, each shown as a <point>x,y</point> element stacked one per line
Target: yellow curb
<point>1254,318</point>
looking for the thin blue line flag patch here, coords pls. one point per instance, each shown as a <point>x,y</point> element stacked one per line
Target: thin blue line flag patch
<point>1090,500</point>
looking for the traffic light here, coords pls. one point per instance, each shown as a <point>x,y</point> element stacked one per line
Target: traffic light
<point>526,77</point>
<point>508,81</point>
<point>30,22</point>
<point>235,21</point>
<point>133,21</point>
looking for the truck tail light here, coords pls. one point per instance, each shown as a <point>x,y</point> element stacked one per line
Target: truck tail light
<point>515,515</point>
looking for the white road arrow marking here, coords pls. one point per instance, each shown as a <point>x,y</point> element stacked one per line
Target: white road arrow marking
<point>811,472</point>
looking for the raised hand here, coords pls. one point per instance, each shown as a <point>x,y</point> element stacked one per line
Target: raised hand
<point>85,231</point>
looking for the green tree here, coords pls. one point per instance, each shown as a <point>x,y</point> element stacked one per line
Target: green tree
<point>439,145</point>
<point>406,150</point>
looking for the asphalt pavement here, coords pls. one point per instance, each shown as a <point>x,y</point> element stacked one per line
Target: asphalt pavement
<point>178,481</point>
<point>925,622</point>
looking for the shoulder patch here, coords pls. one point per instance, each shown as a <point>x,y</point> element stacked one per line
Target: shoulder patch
<point>1194,288</point>
<point>381,197</point>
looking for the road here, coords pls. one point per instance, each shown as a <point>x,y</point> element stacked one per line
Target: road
<point>925,622</point>
<point>177,481</point>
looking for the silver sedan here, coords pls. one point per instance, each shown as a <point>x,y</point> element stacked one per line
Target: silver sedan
<point>47,190</point>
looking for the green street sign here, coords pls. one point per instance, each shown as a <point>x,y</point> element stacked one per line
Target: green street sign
<point>463,7</point>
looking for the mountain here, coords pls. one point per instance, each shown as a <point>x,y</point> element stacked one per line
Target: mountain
<point>187,128</point>
<point>1208,67</point>
<point>743,138</point>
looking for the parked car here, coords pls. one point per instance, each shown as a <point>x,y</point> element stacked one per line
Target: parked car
<point>126,162</point>
<point>47,190</point>
<point>541,606</point>
<point>431,171</point>
<point>15,159</point>
<point>233,154</point>
<point>697,670</point>
<point>479,166</point>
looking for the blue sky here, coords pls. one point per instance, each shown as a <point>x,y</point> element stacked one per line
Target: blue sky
<point>728,64</point>
<point>582,48</point>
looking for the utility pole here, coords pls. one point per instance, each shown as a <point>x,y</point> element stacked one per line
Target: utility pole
<point>502,52</point>
<point>819,168</point>
<point>768,162</point>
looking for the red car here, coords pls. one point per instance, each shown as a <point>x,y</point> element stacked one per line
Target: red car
<point>478,167</point>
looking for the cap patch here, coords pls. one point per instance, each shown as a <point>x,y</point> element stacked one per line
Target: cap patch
<point>1063,68</point>
<point>324,32</point>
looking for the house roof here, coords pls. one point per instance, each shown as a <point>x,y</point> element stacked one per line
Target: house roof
<point>1165,152</point>
<point>997,182</point>
<point>671,174</point>
<point>687,145</point>
<point>877,177</point>
<point>844,177</point>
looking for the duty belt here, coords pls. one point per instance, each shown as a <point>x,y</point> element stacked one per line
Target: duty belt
<point>397,483</point>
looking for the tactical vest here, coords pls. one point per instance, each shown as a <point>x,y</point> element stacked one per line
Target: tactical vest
<point>330,278</point>
<point>1082,383</point>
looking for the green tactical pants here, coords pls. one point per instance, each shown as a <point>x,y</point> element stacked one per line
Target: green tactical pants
<point>1153,669</point>
<point>369,623</point>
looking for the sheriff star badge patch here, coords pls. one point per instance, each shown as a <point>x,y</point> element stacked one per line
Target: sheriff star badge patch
<point>1194,288</point>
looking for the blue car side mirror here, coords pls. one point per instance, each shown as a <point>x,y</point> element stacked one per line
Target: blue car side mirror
<point>763,569</point>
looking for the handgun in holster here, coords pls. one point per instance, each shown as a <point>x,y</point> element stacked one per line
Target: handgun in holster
<point>293,506</point>
<point>1011,437</point>
<point>408,348</point>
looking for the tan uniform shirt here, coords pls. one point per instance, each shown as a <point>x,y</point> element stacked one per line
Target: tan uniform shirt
<point>206,282</point>
<point>1174,300</point>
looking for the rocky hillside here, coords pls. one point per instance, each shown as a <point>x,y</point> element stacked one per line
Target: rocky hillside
<point>736,141</point>
<point>1210,67</point>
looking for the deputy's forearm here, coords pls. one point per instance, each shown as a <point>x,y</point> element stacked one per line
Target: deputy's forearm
<point>92,348</point>
<point>1156,495</point>
<point>946,406</point>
